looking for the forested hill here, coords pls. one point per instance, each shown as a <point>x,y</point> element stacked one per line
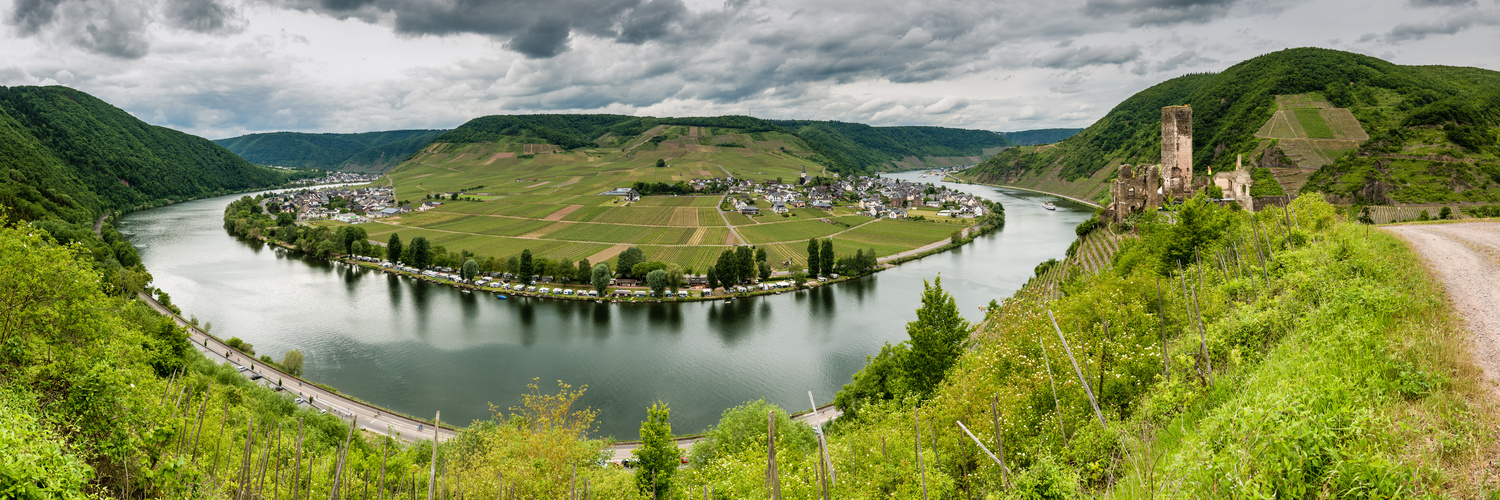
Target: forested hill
<point>843,147</point>
<point>1230,107</point>
<point>869,148</point>
<point>365,152</point>
<point>1040,136</point>
<point>68,154</point>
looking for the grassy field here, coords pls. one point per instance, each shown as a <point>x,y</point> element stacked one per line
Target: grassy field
<point>534,196</point>
<point>789,231</point>
<point>902,233</point>
<point>1312,122</point>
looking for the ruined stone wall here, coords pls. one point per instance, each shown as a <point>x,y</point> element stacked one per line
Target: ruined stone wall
<point>1135,189</point>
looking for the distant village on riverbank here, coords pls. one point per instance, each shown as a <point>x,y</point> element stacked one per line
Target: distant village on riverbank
<point>875,196</point>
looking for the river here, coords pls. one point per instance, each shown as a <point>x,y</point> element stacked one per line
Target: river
<point>417,348</point>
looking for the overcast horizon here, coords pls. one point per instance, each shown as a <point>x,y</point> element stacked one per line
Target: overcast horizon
<point>222,68</point>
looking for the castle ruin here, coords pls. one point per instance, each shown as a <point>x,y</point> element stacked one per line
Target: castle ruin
<point>1138,188</point>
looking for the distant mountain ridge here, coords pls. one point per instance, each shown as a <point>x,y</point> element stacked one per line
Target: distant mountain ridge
<point>1040,136</point>
<point>360,152</point>
<point>69,155</point>
<point>841,146</point>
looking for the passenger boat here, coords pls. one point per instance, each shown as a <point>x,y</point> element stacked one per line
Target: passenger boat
<point>1048,205</point>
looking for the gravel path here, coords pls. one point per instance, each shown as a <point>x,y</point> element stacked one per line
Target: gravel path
<point>1466,256</point>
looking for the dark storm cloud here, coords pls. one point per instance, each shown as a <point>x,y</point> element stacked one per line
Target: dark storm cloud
<point>535,28</point>
<point>119,28</point>
<point>1078,57</point>
<point>203,16</point>
<point>32,15</point>
<point>1442,3</point>
<point>1153,12</point>
<point>115,33</point>
<point>543,39</point>
<point>1448,26</point>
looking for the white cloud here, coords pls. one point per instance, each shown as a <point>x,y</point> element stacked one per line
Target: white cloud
<point>226,67</point>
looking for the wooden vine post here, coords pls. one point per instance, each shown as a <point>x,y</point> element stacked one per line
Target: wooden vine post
<point>1081,379</point>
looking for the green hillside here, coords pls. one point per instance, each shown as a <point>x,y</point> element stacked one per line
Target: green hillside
<point>1040,136</point>
<point>68,154</point>
<point>848,148</point>
<point>518,190</point>
<point>1231,106</point>
<point>364,152</point>
<point>871,148</point>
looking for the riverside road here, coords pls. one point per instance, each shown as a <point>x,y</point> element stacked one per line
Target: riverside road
<point>371,418</point>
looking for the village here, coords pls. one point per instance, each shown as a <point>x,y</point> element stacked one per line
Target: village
<point>874,196</point>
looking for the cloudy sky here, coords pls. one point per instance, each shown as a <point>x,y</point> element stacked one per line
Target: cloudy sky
<point>220,68</point>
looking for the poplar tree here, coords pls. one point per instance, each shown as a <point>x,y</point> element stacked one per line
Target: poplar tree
<point>825,262</point>
<point>420,253</point>
<point>393,248</point>
<point>814,254</point>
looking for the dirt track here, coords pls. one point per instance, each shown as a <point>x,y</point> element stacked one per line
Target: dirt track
<point>1466,257</point>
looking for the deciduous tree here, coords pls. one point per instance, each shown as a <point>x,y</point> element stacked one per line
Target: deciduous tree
<point>600,277</point>
<point>292,362</point>
<point>937,337</point>
<point>628,259</point>
<point>469,270</point>
<point>674,277</point>
<point>658,455</point>
<point>657,280</point>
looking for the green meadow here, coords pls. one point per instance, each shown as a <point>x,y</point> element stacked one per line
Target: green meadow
<point>514,196</point>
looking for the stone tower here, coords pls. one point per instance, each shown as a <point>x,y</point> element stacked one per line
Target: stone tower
<point>1177,150</point>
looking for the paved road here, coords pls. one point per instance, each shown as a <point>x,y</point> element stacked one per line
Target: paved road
<point>1466,257</point>
<point>371,418</point>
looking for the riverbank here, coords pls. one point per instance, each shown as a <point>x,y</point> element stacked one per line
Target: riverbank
<point>418,347</point>
<point>505,288</point>
<point>383,421</point>
<point>1008,186</point>
<point>373,419</point>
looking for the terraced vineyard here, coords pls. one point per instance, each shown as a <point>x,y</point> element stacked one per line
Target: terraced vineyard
<point>1095,253</point>
<point>516,195</point>
<point>1312,133</point>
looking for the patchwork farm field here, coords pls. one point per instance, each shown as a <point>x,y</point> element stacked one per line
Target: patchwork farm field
<point>498,199</point>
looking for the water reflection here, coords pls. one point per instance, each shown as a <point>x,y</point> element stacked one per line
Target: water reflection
<point>418,347</point>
